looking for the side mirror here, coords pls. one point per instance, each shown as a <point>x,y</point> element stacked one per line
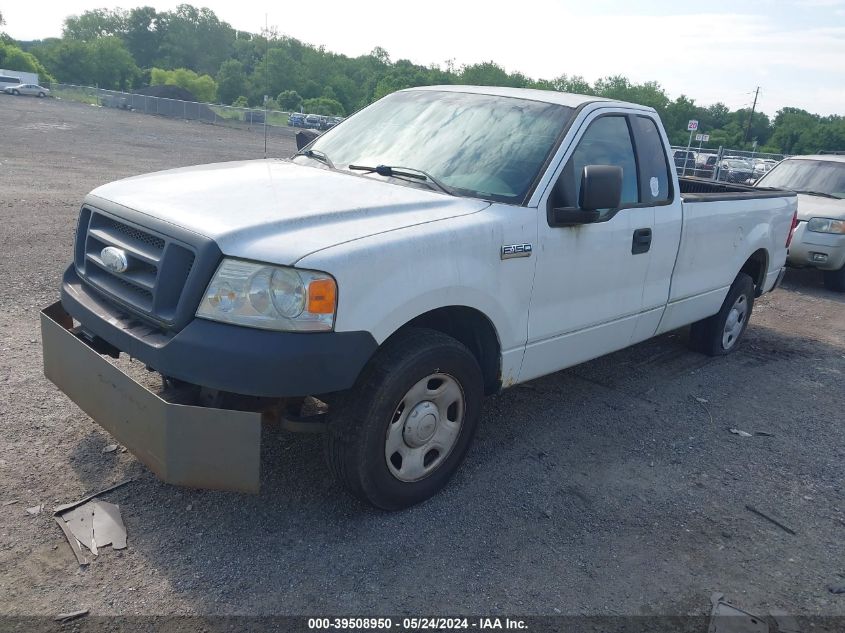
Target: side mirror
<point>303,137</point>
<point>601,187</point>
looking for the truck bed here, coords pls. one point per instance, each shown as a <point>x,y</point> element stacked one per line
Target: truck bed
<point>701,190</point>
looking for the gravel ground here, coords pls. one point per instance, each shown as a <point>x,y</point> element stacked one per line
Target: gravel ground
<point>612,488</point>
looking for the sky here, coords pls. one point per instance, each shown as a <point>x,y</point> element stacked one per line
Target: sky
<point>709,50</point>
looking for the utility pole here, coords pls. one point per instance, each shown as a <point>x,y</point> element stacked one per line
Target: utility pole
<point>751,116</point>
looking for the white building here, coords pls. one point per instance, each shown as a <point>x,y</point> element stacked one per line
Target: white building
<point>15,77</point>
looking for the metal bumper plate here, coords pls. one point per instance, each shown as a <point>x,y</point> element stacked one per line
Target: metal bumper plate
<point>201,447</point>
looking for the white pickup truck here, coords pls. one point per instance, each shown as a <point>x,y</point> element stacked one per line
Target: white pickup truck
<point>442,244</point>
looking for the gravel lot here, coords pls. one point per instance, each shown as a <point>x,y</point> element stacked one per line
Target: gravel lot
<point>612,488</point>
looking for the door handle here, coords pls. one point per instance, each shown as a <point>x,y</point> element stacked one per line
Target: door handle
<point>641,242</point>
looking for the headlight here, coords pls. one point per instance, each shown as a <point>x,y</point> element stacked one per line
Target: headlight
<point>270,297</point>
<point>825,225</point>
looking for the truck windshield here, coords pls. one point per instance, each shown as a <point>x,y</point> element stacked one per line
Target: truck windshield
<point>478,145</point>
<point>824,177</point>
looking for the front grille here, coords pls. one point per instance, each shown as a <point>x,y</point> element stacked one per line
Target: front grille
<point>158,271</point>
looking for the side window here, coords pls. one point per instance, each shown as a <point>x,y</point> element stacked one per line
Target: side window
<point>654,168</point>
<point>606,142</point>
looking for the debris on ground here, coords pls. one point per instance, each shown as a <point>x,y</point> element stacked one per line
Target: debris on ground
<point>91,523</point>
<point>770,519</point>
<point>68,506</point>
<point>72,615</point>
<point>837,589</point>
<point>74,544</point>
<point>96,524</point>
<point>727,618</point>
<point>111,448</point>
<point>36,509</point>
<point>763,434</point>
<point>740,432</point>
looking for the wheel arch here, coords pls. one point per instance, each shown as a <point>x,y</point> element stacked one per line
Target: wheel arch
<point>475,330</point>
<point>756,267</point>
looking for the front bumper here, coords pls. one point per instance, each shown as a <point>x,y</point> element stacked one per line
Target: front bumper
<point>201,447</point>
<point>825,251</point>
<point>226,357</point>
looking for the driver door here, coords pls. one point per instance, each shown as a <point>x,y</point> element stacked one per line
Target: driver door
<point>590,280</point>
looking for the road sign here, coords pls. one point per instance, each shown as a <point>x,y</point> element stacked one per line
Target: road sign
<point>692,125</point>
<point>702,137</point>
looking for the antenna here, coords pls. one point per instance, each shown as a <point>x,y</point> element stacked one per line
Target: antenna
<point>266,79</point>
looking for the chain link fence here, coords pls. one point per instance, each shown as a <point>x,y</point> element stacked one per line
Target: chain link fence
<point>188,110</point>
<point>724,164</point>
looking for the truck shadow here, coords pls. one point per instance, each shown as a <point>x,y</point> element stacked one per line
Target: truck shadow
<point>577,483</point>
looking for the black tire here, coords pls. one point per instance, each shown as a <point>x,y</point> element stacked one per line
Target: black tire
<point>708,335</point>
<point>835,280</point>
<point>41,95</point>
<point>360,418</point>
<point>16,93</point>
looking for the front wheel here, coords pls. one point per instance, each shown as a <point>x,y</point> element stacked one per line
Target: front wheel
<point>720,334</point>
<point>398,436</point>
<point>16,93</point>
<point>41,95</point>
<point>835,280</point>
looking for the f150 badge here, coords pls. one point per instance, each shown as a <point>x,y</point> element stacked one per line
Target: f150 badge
<point>516,250</point>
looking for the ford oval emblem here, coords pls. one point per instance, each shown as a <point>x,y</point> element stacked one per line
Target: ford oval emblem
<point>114,259</point>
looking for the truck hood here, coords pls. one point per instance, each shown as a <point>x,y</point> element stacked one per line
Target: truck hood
<point>819,207</point>
<point>276,211</point>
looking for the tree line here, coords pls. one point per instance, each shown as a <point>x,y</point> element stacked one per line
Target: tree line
<point>192,48</point>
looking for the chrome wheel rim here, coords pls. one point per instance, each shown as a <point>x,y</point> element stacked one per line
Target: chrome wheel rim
<point>735,322</point>
<point>425,427</point>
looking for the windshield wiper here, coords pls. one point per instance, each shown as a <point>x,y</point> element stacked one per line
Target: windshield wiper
<point>818,193</point>
<point>403,172</point>
<point>316,155</point>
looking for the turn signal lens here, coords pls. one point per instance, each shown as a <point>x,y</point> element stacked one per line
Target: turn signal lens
<point>322,296</point>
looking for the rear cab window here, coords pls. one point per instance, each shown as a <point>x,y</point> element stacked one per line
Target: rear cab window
<point>655,180</point>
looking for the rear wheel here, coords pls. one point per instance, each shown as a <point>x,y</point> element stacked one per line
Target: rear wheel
<point>835,280</point>
<point>720,334</point>
<point>400,434</point>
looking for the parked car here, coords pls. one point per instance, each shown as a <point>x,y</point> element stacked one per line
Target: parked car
<point>33,90</point>
<point>313,121</point>
<point>404,293</point>
<point>762,166</point>
<point>328,122</point>
<point>738,170</point>
<point>705,165</point>
<point>296,119</point>
<point>684,160</point>
<point>819,240</point>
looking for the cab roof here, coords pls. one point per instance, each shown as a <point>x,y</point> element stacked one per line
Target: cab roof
<point>833,158</point>
<point>547,96</point>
